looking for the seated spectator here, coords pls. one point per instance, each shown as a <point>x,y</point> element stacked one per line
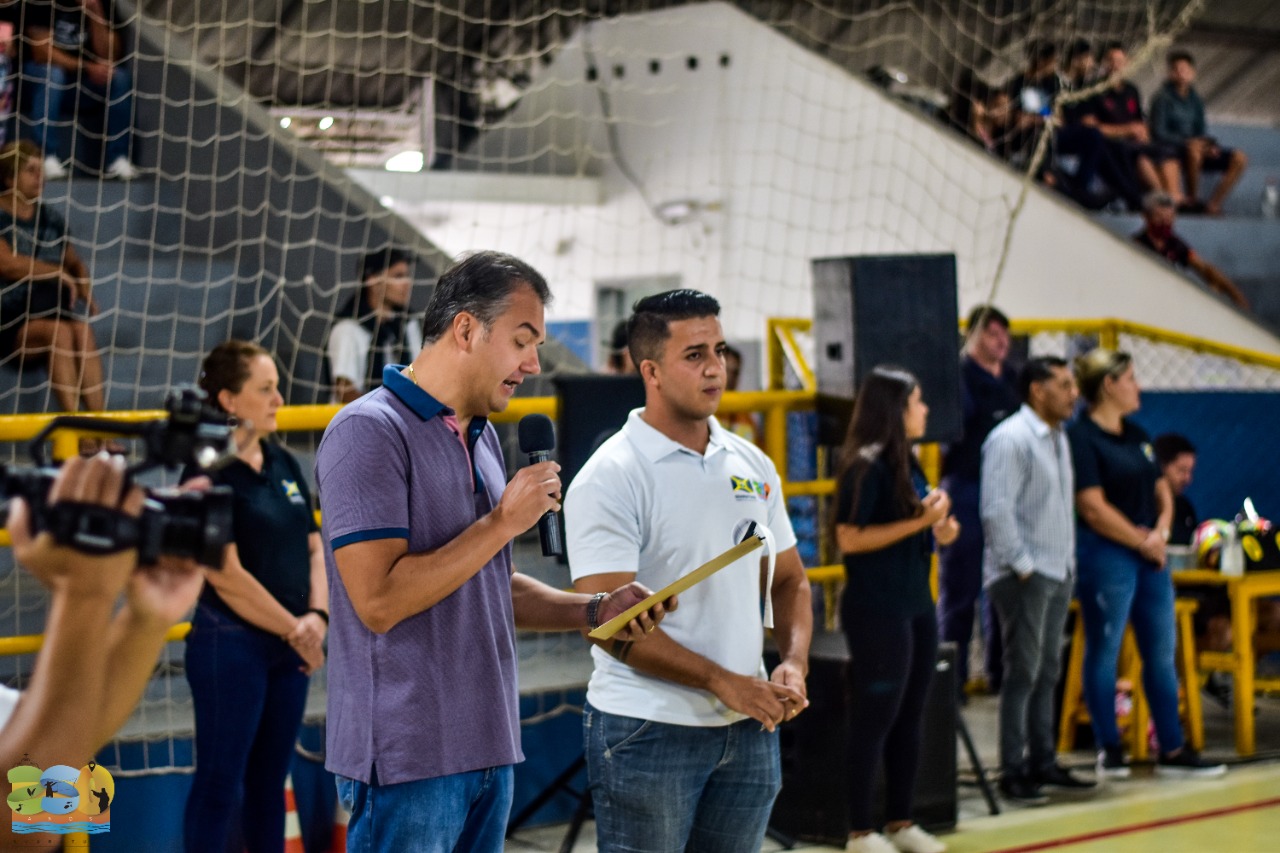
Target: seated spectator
<point>45,289</point>
<point>97,658</point>
<point>1159,212</point>
<point>75,47</point>
<point>1117,114</point>
<point>373,328</point>
<point>744,424</point>
<point>1178,123</point>
<point>1080,137</point>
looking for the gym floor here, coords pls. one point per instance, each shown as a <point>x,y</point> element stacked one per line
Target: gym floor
<point>1239,813</point>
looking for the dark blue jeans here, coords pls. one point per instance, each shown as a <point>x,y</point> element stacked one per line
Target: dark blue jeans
<point>1117,586</point>
<point>661,788</point>
<point>960,585</point>
<point>463,811</point>
<point>45,91</point>
<point>249,696</point>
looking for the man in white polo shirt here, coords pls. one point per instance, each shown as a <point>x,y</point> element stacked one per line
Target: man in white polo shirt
<point>682,748</point>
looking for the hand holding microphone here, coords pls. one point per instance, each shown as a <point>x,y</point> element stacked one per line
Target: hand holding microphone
<point>538,439</point>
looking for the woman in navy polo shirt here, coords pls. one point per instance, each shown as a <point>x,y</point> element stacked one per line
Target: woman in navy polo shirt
<point>258,631</point>
<point>886,523</point>
<point>1124,508</point>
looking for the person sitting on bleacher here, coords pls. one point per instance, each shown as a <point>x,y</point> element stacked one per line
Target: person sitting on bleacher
<point>1097,155</point>
<point>74,47</point>
<point>1117,114</point>
<point>1178,123</point>
<point>45,289</point>
<point>1158,214</point>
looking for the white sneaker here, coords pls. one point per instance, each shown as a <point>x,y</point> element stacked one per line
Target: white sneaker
<point>913,839</point>
<point>53,169</point>
<point>871,843</point>
<point>121,170</point>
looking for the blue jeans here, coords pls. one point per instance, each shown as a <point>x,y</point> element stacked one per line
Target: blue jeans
<point>464,812</point>
<point>661,788</point>
<point>249,697</point>
<point>45,90</point>
<point>1116,585</point>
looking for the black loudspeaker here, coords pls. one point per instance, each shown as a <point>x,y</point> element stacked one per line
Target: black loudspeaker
<point>813,804</point>
<point>886,309</point>
<point>591,408</point>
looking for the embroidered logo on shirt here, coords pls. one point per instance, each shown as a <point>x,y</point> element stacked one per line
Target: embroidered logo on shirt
<point>292,492</point>
<point>745,489</point>
<point>1148,451</point>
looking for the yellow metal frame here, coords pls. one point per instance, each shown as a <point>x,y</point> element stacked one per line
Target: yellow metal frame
<point>782,349</point>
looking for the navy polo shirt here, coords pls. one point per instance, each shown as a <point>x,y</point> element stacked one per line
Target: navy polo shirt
<point>987,400</point>
<point>272,519</point>
<point>1123,465</point>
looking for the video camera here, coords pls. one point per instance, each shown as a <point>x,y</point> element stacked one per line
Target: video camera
<point>173,523</point>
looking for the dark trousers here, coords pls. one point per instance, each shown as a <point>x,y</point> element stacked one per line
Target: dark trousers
<point>891,663</point>
<point>960,585</point>
<point>1098,159</point>
<point>1033,614</point>
<point>249,696</point>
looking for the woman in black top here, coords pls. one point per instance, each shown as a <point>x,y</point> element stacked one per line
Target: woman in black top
<point>45,290</point>
<point>1124,509</point>
<point>259,629</point>
<point>886,523</point>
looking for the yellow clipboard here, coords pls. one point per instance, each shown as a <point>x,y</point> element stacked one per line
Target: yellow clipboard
<point>706,570</point>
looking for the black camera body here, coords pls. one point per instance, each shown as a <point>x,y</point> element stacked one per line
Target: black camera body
<point>179,524</point>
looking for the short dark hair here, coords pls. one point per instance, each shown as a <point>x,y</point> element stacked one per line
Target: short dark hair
<point>480,284</point>
<point>651,319</point>
<point>380,260</point>
<point>1041,50</point>
<point>1036,370</point>
<point>1176,56</point>
<point>1109,46</point>
<point>1170,446</point>
<point>985,315</point>
<point>1077,48</point>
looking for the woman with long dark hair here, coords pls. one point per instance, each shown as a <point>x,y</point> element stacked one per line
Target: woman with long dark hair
<point>887,521</point>
<point>258,631</point>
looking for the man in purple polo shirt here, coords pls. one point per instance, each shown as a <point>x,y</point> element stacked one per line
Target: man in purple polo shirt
<point>423,720</point>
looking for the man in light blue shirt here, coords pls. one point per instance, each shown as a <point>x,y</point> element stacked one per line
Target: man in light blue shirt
<point>1028,520</point>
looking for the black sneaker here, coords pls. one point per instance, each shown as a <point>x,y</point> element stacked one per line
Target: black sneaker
<point>1112,764</point>
<point>1188,763</point>
<point>1218,688</point>
<point>1060,777</point>
<point>1019,789</point>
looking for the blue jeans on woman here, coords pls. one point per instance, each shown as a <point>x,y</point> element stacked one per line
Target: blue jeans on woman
<point>45,88</point>
<point>662,788</point>
<point>249,696</point>
<point>1116,585</point>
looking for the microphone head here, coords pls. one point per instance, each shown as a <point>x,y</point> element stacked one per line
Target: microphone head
<point>537,434</point>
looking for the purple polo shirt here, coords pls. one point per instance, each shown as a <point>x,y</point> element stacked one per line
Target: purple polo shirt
<point>435,695</point>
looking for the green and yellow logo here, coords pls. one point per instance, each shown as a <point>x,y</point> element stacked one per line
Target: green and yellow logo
<point>61,800</point>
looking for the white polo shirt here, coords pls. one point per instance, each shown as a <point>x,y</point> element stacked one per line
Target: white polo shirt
<point>646,504</point>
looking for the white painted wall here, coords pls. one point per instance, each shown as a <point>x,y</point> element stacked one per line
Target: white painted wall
<point>802,161</point>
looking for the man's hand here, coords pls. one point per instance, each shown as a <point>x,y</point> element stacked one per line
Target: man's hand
<point>532,493</point>
<point>789,674</point>
<point>97,73</point>
<point>946,531</point>
<point>164,593</point>
<point>95,480</point>
<point>766,701</point>
<point>626,597</point>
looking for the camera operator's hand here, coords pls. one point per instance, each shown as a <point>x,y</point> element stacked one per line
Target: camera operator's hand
<point>96,480</point>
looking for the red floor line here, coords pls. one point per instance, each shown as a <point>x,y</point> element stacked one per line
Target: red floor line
<point>1139,827</point>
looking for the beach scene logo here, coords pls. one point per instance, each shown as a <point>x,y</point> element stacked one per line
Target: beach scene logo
<point>61,800</point>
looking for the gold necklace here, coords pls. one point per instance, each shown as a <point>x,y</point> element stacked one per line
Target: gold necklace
<point>412,377</point>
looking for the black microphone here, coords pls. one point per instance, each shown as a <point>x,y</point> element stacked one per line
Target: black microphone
<point>538,439</point>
